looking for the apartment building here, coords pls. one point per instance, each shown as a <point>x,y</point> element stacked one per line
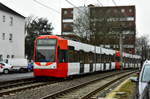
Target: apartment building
<point>12,33</point>
<point>111,23</point>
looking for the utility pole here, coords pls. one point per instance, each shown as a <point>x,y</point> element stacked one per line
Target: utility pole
<point>142,55</point>
<point>147,52</point>
<point>121,50</point>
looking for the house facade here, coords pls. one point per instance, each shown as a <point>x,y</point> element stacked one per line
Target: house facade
<point>12,33</point>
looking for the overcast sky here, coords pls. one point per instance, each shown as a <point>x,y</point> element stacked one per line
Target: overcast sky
<point>29,7</point>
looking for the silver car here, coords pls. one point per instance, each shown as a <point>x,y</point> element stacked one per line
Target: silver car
<point>5,68</point>
<point>144,79</point>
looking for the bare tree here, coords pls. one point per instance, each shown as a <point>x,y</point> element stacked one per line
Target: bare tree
<point>143,47</point>
<point>82,23</point>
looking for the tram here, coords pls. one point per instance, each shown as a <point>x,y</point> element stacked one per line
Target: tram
<point>55,56</point>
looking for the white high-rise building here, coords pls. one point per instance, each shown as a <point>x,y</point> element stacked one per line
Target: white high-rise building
<point>12,33</point>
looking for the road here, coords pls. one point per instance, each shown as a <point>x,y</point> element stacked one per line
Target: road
<point>15,76</point>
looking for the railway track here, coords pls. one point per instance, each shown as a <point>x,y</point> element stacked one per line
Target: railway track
<point>9,84</point>
<point>13,86</point>
<point>101,88</point>
<point>18,85</point>
<point>40,89</point>
<point>88,89</point>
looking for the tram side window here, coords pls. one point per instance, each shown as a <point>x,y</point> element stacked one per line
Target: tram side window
<point>102,58</point>
<point>92,57</point>
<point>117,59</point>
<point>70,55</point>
<point>113,58</point>
<point>76,56</point>
<point>124,59</point>
<point>127,60</point>
<point>62,54</point>
<point>73,56</point>
<point>106,58</point>
<point>110,57</point>
<point>81,57</point>
<point>97,58</point>
<point>86,57</point>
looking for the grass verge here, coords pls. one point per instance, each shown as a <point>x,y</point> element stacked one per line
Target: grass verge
<point>124,91</point>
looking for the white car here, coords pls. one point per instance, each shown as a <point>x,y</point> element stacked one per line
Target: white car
<point>5,68</point>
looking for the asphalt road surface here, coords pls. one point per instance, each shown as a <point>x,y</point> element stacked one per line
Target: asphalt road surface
<point>15,76</point>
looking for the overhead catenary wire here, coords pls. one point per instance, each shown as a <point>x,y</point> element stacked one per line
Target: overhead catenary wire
<point>84,2</point>
<point>100,3</point>
<point>70,3</point>
<point>114,2</point>
<point>47,6</point>
<point>74,6</point>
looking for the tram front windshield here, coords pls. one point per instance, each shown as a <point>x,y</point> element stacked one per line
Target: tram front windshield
<point>45,50</point>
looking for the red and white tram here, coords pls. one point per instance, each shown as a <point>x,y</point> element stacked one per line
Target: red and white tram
<point>58,57</point>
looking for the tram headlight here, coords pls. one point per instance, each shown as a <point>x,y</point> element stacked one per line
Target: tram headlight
<point>53,67</point>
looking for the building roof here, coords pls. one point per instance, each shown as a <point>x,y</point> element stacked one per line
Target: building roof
<point>9,10</point>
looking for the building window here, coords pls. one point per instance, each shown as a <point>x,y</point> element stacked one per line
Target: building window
<point>11,21</point>
<point>67,27</point>
<point>3,36</point>
<point>8,56</point>
<point>115,11</point>
<point>130,10</point>
<point>130,18</point>
<point>65,12</point>
<point>10,37</point>
<point>122,10</point>
<point>4,18</point>
<point>12,56</point>
<point>108,10</point>
<point>71,11</point>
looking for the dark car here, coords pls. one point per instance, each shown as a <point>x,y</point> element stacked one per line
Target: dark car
<point>30,66</point>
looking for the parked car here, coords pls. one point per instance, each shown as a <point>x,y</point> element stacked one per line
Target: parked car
<point>30,66</point>
<point>5,68</point>
<point>143,81</point>
<point>19,64</point>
